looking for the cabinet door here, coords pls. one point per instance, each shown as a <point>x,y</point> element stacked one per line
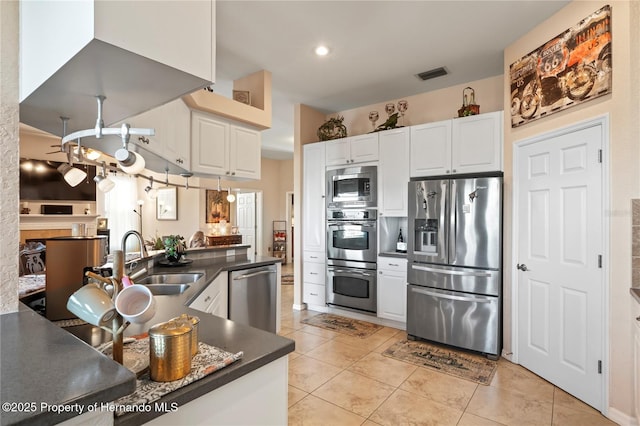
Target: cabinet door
<point>363,148</point>
<point>178,129</point>
<point>477,143</point>
<point>431,149</point>
<point>393,172</point>
<point>337,152</point>
<point>220,304</point>
<point>245,153</point>
<point>209,145</point>
<point>313,198</point>
<point>213,299</point>
<point>150,119</point>
<point>392,295</point>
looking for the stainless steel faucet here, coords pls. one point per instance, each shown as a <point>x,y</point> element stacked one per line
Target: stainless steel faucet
<point>143,248</point>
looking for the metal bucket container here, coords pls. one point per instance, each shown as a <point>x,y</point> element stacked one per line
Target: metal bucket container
<point>193,321</point>
<point>170,351</point>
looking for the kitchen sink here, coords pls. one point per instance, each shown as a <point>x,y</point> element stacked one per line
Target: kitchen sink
<point>167,289</point>
<point>166,279</point>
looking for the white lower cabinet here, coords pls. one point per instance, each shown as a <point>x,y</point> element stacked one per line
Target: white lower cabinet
<point>392,288</point>
<point>314,271</point>
<point>214,298</point>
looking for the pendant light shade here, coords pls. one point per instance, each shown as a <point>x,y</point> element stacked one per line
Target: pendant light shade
<point>72,175</point>
<point>130,162</point>
<point>231,198</point>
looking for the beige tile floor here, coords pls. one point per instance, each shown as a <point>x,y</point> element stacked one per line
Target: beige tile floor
<point>335,379</point>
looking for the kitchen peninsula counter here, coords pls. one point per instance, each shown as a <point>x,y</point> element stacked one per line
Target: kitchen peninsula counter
<point>260,348</point>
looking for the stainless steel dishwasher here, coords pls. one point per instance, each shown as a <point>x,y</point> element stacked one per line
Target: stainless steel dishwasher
<point>252,297</point>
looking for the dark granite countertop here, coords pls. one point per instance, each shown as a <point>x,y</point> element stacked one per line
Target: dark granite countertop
<point>259,347</point>
<point>635,292</point>
<point>44,366</point>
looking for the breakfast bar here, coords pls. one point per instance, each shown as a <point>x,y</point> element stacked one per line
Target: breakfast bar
<point>51,375</point>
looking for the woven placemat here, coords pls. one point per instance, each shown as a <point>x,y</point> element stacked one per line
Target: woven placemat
<point>209,359</point>
<point>468,366</point>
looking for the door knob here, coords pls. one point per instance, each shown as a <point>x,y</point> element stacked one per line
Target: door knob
<point>522,267</point>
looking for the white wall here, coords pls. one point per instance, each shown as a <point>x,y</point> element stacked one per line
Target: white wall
<point>9,148</point>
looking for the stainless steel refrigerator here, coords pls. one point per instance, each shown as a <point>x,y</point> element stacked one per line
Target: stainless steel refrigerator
<point>454,271</point>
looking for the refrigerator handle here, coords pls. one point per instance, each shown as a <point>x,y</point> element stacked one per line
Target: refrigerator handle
<point>443,222</point>
<point>451,296</point>
<point>483,274</point>
<point>453,228</point>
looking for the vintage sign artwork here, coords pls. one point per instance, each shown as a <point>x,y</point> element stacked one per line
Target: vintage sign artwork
<point>572,68</point>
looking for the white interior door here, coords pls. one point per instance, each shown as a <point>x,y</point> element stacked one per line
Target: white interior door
<point>246,215</point>
<point>560,280</point>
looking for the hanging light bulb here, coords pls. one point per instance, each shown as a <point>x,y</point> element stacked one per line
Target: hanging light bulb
<point>72,175</point>
<point>104,183</point>
<point>231,198</point>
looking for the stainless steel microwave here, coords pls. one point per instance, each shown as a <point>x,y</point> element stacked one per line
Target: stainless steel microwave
<point>352,187</point>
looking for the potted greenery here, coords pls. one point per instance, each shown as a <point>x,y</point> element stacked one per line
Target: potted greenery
<point>174,247</point>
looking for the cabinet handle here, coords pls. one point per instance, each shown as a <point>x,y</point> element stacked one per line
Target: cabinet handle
<point>313,257</point>
<point>454,170</point>
<point>179,160</point>
<point>393,264</point>
<point>313,273</point>
<point>637,318</point>
<point>380,213</point>
<point>206,299</point>
<point>233,173</point>
<point>380,272</point>
<point>447,171</point>
<point>227,172</point>
<point>143,139</point>
<point>313,294</point>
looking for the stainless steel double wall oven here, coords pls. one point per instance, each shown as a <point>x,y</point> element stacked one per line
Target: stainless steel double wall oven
<point>352,231</point>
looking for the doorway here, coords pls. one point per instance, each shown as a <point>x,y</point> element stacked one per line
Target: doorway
<point>560,293</point>
<point>290,226</point>
<point>249,220</point>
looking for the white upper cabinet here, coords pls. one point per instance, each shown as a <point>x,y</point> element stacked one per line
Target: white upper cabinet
<point>221,147</point>
<point>313,198</point>
<point>393,172</point>
<point>463,145</point>
<point>351,150</point>
<point>139,54</point>
<point>477,143</point>
<point>171,141</point>
<point>245,152</point>
<point>431,149</point>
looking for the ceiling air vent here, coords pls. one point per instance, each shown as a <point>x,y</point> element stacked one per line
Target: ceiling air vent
<point>436,72</point>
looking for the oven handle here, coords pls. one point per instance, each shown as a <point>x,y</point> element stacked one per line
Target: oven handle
<point>450,296</point>
<point>365,224</point>
<point>447,272</point>
<point>346,271</point>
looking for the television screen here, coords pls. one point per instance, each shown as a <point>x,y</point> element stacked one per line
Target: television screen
<point>41,180</point>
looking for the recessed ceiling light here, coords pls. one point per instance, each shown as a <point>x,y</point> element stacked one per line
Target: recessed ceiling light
<point>322,50</point>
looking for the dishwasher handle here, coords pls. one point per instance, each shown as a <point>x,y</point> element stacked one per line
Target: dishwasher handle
<point>254,274</point>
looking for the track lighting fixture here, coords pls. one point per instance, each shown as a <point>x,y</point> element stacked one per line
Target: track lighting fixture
<point>72,175</point>
<point>152,193</point>
<point>104,183</point>
<point>130,162</point>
